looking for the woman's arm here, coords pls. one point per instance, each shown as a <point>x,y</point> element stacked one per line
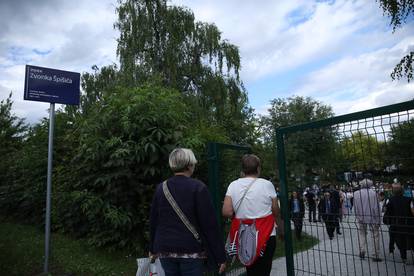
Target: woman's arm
<point>227,210</point>
<point>209,225</point>
<point>153,220</point>
<point>275,207</point>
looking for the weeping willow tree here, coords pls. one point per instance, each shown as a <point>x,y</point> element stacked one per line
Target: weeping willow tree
<point>162,42</point>
<point>399,12</point>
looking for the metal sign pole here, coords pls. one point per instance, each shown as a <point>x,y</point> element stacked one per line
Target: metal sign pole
<point>49,85</point>
<point>49,186</point>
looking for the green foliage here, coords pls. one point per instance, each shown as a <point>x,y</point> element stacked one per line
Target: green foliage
<point>398,10</point>
<point>108,158</point>
<point>96,84</point>
<point>12,132</point>
<point>177,85</point>
<point>363,152</point>
<point>156,38</point>
<point>26,188</point>
<point>291,111</point>
<point>165,43</point>
<point>305,151</point>
<point>124,143</point>
<point>404,68</point>
<point>401,146</point>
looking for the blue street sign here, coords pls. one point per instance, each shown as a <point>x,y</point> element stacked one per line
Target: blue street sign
<point>51,85</point>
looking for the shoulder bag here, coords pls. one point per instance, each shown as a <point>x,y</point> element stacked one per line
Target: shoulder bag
<point>231,244</point>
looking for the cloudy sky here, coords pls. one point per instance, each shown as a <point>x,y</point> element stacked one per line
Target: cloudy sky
<point>338,52</point>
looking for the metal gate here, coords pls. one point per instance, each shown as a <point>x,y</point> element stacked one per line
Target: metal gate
<point>224,166</point>
<point>343,154</point>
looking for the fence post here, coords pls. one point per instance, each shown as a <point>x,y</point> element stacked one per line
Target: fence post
<point>284,202</point>
<point>213,178</point>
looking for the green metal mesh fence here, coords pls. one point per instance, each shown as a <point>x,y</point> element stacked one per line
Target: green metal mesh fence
<point>328,164</point>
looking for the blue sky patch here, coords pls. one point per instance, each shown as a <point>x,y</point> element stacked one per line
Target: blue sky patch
<point>299,16</point>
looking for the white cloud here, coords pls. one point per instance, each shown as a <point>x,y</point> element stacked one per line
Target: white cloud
<point>360,82</point>
<point>269,45</point>
<point>67,35</point>
<point>345,49</point>
<point>352,36</point>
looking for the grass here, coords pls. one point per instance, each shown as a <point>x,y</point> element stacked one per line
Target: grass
<point>305,243</point>
<point>22,249</point>
<point>22,253</point>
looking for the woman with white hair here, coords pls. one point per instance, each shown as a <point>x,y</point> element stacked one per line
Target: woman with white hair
<point>181,238</point>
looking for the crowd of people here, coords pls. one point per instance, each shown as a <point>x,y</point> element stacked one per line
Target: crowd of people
<point>185,234</point>
<point>371,205</point>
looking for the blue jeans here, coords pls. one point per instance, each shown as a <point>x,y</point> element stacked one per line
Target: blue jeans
<point>182,266</point>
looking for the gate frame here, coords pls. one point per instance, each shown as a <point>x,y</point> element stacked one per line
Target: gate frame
<point>213,157</point>
<point>280,139</point>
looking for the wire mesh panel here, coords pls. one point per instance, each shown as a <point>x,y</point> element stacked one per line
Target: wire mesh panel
<point>348,181</point>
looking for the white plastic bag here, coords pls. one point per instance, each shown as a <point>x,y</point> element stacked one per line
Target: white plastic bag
<point>146,268</point>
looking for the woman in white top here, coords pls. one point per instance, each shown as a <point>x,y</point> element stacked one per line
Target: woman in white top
<point>260,202</point>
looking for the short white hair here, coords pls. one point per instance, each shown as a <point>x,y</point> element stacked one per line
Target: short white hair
<point>181,159</point>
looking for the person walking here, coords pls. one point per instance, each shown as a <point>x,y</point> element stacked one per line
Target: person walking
<point>399,215</point>
<point>329,212</point>
<point>251,199</point>
<point>180,253</point>
<point>335,196</point>
<point>311,200</point>
<point>347,203</point>
<point>297,212</point>
<point>368,215</point>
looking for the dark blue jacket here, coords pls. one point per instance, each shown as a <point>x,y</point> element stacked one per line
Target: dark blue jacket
<point>301,207</point>
<point>169,234</point>
<point>332,213</point>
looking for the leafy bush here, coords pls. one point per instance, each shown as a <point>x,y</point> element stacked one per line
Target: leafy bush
<point>104,193</point>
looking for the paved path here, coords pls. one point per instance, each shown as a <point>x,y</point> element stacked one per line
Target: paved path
<point>340,256</point>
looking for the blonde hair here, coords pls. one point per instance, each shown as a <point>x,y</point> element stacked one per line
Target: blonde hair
<point>181,159</point>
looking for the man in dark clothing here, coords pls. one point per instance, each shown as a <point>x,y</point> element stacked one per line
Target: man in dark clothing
<point>329,210</point>
<point>398,215</point>
<point>319,196</point>
<point>310,198</point>
<point>297,212</point>
<point>391,242</point>
<point>336,197</point>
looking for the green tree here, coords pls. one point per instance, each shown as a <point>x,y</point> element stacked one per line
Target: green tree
<point>26,193</point>
<point>12,133</point>
<point>104,192</point>
<point>307,152</point>
<point>400,11</point>
<point>291,111</point>
<point>362,151</point>
<point>163,42</point>
<point>401,146</point>
<point>95,85</point>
